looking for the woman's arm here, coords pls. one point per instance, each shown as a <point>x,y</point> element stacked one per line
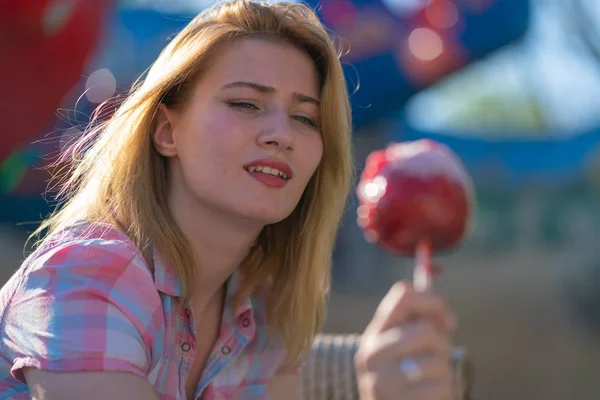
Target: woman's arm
<point>102,385</point>
<point>80,323</point>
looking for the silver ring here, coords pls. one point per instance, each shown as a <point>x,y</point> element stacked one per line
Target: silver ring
<point>411,370</point>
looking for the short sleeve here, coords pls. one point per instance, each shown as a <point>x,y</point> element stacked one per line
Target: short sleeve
<point>83,306</point>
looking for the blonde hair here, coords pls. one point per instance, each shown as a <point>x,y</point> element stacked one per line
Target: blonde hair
<point>117,176</point>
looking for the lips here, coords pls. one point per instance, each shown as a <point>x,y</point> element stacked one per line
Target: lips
<point>271,164</point>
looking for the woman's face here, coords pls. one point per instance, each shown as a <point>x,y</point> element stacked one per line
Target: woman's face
<point>248,140</point>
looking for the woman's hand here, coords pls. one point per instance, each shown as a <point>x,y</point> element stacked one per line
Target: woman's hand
<point>405,352</point>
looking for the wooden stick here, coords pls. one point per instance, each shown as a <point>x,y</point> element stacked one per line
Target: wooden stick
<point>423,273</point>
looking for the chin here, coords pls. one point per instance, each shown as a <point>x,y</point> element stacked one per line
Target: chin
<point>273,219</point>
<point>268,216</point>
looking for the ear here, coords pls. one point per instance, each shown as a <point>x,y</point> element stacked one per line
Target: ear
<point>163,136</point>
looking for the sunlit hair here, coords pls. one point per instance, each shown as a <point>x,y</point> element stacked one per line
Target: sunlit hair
<point>117,176</point>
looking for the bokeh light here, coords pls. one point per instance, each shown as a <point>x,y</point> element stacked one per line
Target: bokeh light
<point>425,44</point>
<point>56,15</point>
<point>100,86</point>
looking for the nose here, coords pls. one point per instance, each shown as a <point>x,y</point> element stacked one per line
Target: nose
<point>277,134</point>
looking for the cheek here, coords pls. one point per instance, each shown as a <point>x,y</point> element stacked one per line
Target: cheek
<point>209,142</point>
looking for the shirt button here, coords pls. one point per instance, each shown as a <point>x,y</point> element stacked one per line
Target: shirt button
<point>225,350</point>
<point>187,312</point>
<point>186,347</point>
<point>245,322</point>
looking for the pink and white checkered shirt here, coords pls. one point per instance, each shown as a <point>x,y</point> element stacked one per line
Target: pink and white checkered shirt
<point>91,303</point>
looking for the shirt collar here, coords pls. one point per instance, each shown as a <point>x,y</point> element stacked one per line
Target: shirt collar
<point>233,284</point>
<point>165,278</point>
<point>167,281</point>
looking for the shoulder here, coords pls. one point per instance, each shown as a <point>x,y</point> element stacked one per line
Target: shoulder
<point>82,302</point>
<point>85,269</point>
<point>100,252</point>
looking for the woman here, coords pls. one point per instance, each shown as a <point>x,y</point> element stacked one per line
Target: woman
<point>192,255</point>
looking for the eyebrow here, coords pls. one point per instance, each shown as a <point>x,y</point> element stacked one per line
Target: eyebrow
<point>302,98</point>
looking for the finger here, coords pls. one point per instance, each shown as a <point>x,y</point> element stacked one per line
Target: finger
<point>415,340</point>
<point>391,381</point>
<point>402,304</point>
<point>433,370</point>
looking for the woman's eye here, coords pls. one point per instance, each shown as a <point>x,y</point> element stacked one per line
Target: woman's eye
<point>308,121</point>
<point>243,104</point>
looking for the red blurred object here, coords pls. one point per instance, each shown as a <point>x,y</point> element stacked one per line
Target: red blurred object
<point>433,49</point>
<point>426,71</point>
<point>415,198</point>
<point>44,46</point>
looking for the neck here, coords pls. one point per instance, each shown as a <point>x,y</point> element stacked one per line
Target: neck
<point>220,243</point>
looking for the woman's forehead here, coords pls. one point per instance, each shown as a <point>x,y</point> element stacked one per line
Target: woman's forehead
<point>273,64</point>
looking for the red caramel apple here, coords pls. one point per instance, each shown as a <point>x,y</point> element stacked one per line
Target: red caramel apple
<point>415,194</point>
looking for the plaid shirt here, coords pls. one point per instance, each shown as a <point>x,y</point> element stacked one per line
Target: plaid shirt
<point>92,303</point>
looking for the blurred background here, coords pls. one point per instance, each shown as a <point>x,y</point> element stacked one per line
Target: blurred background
<point>510,85</point>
